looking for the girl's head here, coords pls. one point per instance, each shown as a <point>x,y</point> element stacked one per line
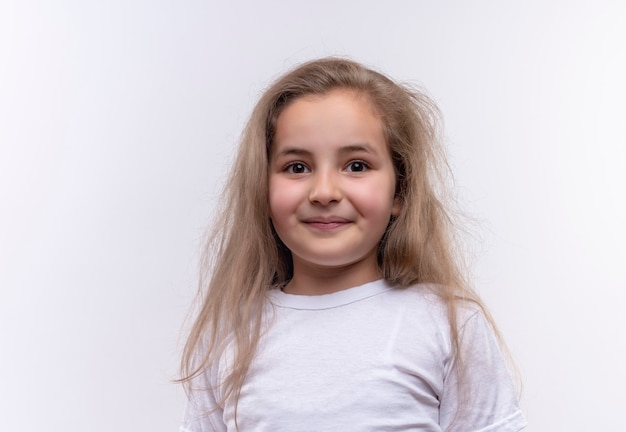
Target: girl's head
<point>409,124</point>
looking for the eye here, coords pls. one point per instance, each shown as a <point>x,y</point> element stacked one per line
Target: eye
<point>296,168</point>
<point>357,166</point>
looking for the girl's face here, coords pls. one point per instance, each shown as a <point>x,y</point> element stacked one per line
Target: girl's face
<point>332,182</point>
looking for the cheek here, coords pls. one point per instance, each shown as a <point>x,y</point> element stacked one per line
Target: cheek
<point>376,198</point>
<point>282,199</point>
<point>273,205</point>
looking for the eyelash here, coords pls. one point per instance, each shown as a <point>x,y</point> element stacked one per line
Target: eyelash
<point>365,165</point>
<point>289,168</point>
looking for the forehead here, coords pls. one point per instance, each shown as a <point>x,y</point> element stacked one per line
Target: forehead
<point>341,115</point>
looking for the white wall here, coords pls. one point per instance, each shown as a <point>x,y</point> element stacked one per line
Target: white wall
<point>117,119</point>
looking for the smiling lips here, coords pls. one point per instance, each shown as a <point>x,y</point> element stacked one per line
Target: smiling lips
<point>326,223</point>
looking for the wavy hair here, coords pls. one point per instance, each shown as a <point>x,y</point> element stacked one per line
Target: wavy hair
<point>244,258</point>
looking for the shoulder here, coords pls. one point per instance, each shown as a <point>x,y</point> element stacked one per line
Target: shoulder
<point>428,299</point>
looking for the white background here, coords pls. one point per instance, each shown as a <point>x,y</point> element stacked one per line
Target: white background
<point>117,122</point>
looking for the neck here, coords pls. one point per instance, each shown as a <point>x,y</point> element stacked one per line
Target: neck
<point>318,280</point>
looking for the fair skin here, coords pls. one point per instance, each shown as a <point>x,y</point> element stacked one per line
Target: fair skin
<point>331,190</point>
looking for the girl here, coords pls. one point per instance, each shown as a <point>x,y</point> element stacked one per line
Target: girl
<point>333,297</point>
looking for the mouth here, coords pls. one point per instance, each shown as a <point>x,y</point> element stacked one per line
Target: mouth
<point>326,224</point>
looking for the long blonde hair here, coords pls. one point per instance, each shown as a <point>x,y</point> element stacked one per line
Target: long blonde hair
<point>244,258</point>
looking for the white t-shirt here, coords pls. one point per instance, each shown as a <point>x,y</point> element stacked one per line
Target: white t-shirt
<point>369,358</point>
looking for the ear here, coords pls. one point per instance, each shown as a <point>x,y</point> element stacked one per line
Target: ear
<point>396,206</point>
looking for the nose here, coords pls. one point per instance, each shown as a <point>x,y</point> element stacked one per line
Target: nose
<point>325,188</point>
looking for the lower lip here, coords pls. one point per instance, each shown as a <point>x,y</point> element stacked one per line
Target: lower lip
<point>326,226</point>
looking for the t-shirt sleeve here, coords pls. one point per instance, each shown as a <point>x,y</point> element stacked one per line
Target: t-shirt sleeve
<point>202,414</point>
<point>487,400</point>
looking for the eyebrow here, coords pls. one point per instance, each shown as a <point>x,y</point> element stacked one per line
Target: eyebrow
<point>358,148</point>
<point>353,148</point>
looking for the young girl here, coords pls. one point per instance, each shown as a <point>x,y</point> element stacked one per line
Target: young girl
<point>333,299</point>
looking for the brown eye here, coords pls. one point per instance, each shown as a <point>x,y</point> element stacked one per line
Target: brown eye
<point>357,166</point>
<point>296,168</point>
